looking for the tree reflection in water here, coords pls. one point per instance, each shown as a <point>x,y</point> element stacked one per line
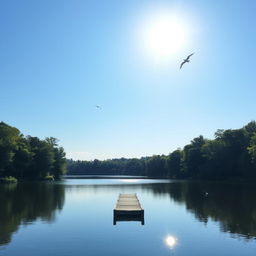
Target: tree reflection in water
<point>233,205</point>
<point>25,203</point>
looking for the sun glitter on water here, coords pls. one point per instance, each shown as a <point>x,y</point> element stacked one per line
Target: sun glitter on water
<point>170,241</point>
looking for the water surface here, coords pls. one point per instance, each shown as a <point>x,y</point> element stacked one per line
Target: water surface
<point>75,217</point>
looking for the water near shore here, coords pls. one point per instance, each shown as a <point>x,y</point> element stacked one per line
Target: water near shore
<point>75,217</point>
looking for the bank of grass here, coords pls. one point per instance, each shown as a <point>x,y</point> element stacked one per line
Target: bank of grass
<point>8,179</point>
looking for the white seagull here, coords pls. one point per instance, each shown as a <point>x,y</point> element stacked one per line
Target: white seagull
<point>186,60</point>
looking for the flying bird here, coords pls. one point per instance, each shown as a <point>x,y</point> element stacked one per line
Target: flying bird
<point>97,106</point>
<point>186,60</point>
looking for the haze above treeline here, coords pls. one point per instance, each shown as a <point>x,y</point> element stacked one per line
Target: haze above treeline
<point>232,154</point>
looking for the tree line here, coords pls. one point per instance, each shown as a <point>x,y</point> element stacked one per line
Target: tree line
<point>29,157</point>
<point>231,154</point>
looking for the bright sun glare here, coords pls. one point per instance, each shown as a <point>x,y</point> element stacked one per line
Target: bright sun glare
<point>170,241</point>
<point>164,35</point>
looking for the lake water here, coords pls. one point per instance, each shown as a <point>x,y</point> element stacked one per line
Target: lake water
<point>75,217</point>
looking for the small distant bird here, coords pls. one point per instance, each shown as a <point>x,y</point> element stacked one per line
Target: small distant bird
<point>97,106</point>
<point>186,60</point>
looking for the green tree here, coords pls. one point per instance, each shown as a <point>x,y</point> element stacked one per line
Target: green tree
<point>193,158</point>
<point>252,149</point>
<point>9,138</point>
<point>59,166</point>
<point>22,159</point>
<point>173,162</point>
<point>251,128</point>
<point>155,166</point>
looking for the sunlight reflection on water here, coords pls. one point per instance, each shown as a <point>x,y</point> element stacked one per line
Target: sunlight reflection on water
<point>130,180</point>
<point>170,241</point>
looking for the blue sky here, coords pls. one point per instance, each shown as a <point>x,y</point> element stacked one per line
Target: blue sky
<point>58,59</point>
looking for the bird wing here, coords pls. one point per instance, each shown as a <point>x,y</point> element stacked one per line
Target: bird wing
<point>190,55</point>
<point>182,64</point>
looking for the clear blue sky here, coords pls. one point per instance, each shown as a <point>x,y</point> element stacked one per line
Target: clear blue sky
<point>58,59</point>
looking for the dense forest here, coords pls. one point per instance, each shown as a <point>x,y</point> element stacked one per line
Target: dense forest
<point>231,154</point>
<point>29,157</point>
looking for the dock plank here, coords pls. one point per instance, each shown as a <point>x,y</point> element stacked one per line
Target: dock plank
<point>128,208</point>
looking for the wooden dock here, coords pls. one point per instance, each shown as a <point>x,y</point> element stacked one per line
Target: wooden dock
<point>128,208</point>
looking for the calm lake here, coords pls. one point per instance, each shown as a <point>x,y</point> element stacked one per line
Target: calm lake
<point>75,217</point>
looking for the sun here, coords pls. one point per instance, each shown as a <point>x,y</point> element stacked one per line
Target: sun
<point>164,35</point>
